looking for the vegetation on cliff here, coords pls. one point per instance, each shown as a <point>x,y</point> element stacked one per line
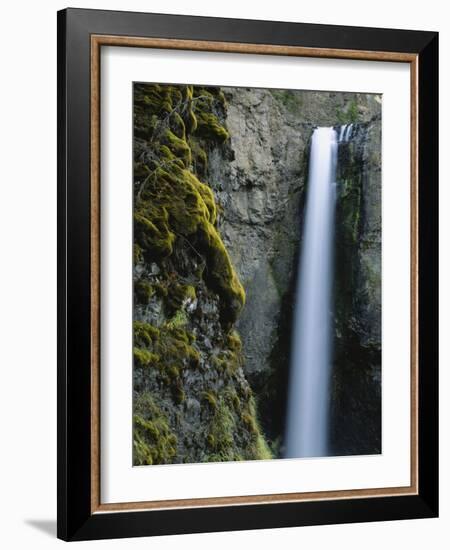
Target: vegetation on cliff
<point>191,399</point>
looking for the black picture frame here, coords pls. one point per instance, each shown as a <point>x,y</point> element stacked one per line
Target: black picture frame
<point>76,521</point>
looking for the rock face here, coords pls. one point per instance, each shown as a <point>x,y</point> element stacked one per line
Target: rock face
<point>210,376</point>
<point>261,194</point>
<point>356,396</point>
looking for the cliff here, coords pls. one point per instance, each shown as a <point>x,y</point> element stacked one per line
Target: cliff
<point>220,176</point>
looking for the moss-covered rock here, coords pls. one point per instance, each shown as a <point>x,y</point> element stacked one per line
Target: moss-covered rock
<point>171,202</point>
<point>187,295</point>
<point>153,440</point>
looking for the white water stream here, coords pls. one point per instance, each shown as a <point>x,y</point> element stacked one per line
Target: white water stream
<point>310,370</point>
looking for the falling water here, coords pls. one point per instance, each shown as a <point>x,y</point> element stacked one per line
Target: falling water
<point>307,415</point>
<point>348,132</point>
<point>345,132</point>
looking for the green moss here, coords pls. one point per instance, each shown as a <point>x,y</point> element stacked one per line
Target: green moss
<point>199,157</point>
<point>290,99</point>
<point>190,120</point>
<point>250,421</point>
<point>348,114</point>
<point>177,146</point>
<point>143,291</point>
<point>144,358</point>
<point>153,439</point>
<point>152,233</point>
<point>171,201</point>
<point>227,362</point>
<point>169,349</point>
<point>161,289</point>
<point>177,349</point>
<point>180,197</point>
<point>179,320</point>
<point>218,362</point>
<point>234,341</point>
<point>232,398</point>
<point>229,428</point>
<point>178,126</point>
<point>209,127</point>
<point>211,398</point>
<point>145,334</point>
<point>261,449</point>
<point>221,275</point>
<point>178,295</point>
<point>353,111</point>
<point>220,438</point>
<point>221,98</point>
<point>137,253</point>
<point>191,293</point>
<point>173,371</point>
<point>258,447</point>
<point>167,159</point>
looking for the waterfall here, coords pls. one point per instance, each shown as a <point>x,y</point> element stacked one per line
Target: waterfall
<point>348,132</point>
<point>309,382</point>
<point>345,132</point>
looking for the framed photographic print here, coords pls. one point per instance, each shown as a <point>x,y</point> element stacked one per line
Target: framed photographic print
<point>247,274</point>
